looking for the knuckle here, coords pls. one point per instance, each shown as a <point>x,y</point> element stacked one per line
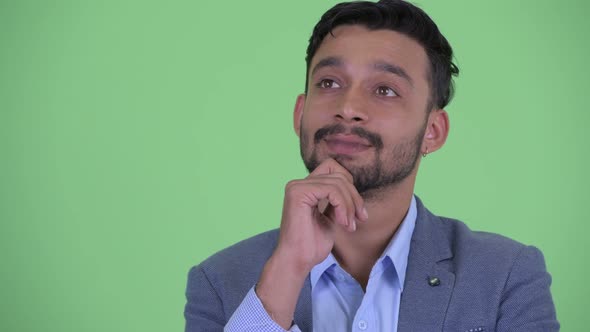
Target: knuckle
<point>345,176</point>
<point>291,185</point>
<point>335,188</point>
<point>340,176</point>
<point>341,179</point>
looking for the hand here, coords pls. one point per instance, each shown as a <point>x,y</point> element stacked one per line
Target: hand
<point>312,208</point>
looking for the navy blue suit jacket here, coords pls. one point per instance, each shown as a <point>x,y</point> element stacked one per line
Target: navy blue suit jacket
<point>487,282</point>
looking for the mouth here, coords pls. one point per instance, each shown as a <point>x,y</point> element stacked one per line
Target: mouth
<point>346,144</point>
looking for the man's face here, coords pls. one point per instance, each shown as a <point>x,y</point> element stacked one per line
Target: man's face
<point>366,106</point>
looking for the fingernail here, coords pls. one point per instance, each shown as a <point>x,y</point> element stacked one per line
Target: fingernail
<point>353,225</point>
<point>365,213</point>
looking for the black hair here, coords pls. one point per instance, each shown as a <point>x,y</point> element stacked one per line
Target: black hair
<point>402,17</point>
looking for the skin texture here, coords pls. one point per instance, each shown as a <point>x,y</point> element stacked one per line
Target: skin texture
<point>376,82</point>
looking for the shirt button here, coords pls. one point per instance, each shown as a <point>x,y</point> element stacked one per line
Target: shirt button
<point>362,325</point>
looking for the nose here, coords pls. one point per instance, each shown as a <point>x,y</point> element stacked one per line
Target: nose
<point>353,107</point>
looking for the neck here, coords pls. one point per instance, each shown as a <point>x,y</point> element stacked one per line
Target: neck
<point>357,252</point>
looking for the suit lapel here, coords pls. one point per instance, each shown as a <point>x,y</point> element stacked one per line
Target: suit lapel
<point>424,301</point>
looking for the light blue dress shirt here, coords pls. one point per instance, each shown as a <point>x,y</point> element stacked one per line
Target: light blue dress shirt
<point>338,301</point>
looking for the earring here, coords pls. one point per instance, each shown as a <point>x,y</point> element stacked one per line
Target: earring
<point>425,153</point>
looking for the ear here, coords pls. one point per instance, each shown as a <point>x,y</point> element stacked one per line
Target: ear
<point>298,113</point>
<point>437,130</point>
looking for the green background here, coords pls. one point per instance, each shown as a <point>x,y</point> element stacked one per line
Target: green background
<point>137,138</point>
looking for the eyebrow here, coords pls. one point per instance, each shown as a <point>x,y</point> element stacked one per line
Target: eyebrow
<point>393,69</point>
<point>330,61</point>
<point>333,61</point>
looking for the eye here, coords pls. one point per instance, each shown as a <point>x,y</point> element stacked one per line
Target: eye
<point>386,91</point>
<point>328,84</point>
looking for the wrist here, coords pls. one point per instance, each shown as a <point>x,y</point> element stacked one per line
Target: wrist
<point>278,289</point>
<point>292,261</point>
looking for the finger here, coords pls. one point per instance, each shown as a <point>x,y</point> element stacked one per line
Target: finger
<point>347,191</point>
<point>339,213</point>
<point>321,194</point>
<point>359,204</point>
<point>331,214</point>
<point>323,205</point>
<point>337,204</point>
<point>331,166</point>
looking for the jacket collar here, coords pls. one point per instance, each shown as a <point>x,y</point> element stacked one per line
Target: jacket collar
<point>428,286</point>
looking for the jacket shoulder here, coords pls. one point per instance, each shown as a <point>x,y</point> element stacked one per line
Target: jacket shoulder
<point>226,276</point>
<point>462,239</point>
<point>502,281</point>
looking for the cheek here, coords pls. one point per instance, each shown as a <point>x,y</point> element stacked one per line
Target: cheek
<point>306,137</point>
<point>321,109</point>
<point>392,131</point>
<point>310,122</point>
<point>396,133</point>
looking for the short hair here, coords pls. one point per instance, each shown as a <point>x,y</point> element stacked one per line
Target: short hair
<point>402,17</point>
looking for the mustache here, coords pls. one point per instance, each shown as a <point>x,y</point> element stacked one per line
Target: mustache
<point>373,139</point>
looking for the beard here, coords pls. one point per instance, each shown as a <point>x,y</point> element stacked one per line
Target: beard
<point>389,167</point>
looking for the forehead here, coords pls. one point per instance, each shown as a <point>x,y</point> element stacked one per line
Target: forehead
<point>359,46</point>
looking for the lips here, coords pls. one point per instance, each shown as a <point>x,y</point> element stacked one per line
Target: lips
<point>346,144</point>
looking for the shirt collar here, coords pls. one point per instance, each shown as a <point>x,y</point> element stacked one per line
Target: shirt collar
<point>397,250</point>
<point>319,269</point>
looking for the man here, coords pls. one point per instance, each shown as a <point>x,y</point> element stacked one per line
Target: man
<point>356,250</point>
